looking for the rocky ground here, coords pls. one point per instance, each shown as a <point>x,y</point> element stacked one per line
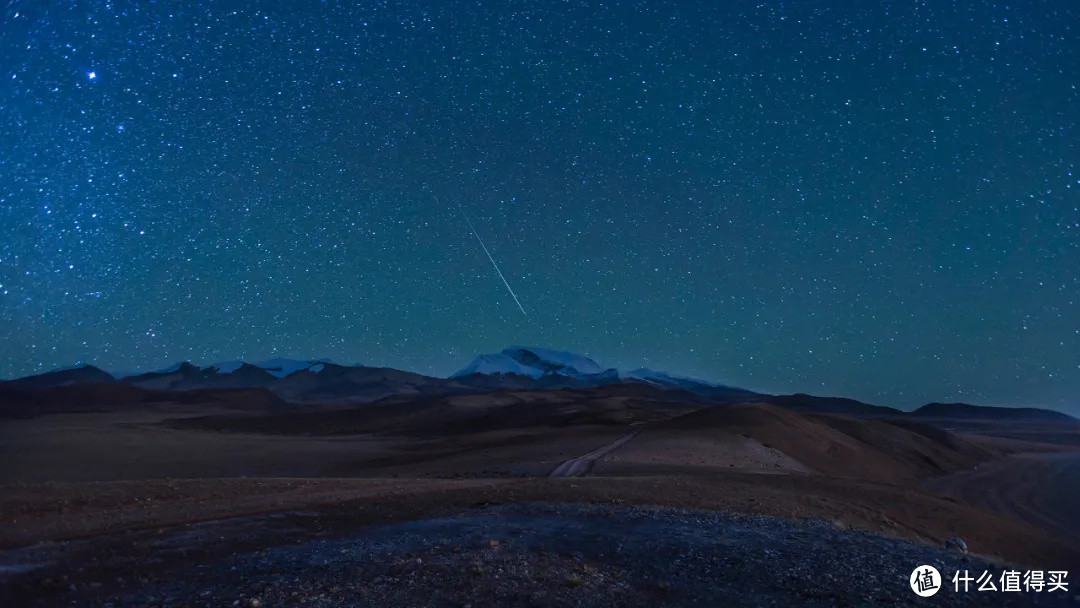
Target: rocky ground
<point>543,554</point>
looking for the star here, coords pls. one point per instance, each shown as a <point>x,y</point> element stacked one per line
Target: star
<point>811,186</point>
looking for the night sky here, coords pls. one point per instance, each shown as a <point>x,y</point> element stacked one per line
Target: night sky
<point>875,200</point>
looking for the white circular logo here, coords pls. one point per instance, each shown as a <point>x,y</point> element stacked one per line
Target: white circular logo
<point>925,581</point>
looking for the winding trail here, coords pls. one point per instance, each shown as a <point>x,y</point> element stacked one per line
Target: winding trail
<point>581,465</point>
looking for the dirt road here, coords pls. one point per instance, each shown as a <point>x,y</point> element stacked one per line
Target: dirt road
<point>578,467</point>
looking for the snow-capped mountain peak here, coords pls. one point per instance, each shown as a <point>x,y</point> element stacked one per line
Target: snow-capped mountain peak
<point>278,367</point>
<point>497,363</point>
<point>532,362</point>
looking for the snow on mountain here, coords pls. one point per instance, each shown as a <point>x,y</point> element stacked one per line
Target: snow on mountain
<point>227,367</point>
<point>700,387</point>
<point>643,373</point>
<point>548,365</point>
<point>497,363</point>
<point>532,362</point>
<point>554,360</point>
<point>175,367</point>
<point>521,367</point>
<point>279,368</point>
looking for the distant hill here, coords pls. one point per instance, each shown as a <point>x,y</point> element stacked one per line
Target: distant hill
<point>838,446</point>
<point>327,382</point>
<point>532,362</point>
<point>186,376</point>
<point>82,374</point>
<point>982,412</point>
<point>29,402</point>
<point>698,387</point>
<point>802,402</point>
<point>518,368</point>
<point>613,405</point>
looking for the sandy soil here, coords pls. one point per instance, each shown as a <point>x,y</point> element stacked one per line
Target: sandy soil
<point>501,453</point>
<point>36,512</point>
<point>817,456</point>
<point>836,446</point>
<point>1046,435</point>
<point>714,449</point>
<point>58,511</point>
<point>132,444</point>
<point>1042,489</point>
<point>151,497</point>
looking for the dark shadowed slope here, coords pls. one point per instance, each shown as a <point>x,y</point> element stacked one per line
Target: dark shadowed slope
<point>62,377</point>
<point>977,412</point>
<point>28,403</point>
<point>190,377</point>
<point>802,402</point>
<point>615,405</point>
<point>1040,489</point>
<point>836,446</point>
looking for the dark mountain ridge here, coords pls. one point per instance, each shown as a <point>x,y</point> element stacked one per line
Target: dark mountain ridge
<point>984,412</point>
<point>517,369</point>
<point>83,374</point>
<point>801,402</point>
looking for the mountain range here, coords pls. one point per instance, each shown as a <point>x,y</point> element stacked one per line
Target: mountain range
<point>516,368</point>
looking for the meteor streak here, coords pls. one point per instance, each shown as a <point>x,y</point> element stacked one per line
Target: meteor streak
<point>467,221</point>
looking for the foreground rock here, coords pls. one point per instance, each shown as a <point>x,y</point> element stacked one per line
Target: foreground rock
<point>568,555</point>
<point>957,545</point>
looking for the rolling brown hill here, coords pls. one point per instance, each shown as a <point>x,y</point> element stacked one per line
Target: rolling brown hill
<point>837,446</point>
<point>17,402</point>
<point>617,405</point>
<point>84,374</point>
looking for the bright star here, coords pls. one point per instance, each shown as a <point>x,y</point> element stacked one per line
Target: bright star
<point>91,75</point>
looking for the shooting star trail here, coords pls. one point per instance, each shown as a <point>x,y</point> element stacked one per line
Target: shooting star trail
<point>477,235</point>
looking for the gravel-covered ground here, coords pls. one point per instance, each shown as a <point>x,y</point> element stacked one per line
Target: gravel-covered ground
<point>540,554</point>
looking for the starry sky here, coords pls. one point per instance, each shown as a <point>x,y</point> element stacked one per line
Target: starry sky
<point>875,200</point>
